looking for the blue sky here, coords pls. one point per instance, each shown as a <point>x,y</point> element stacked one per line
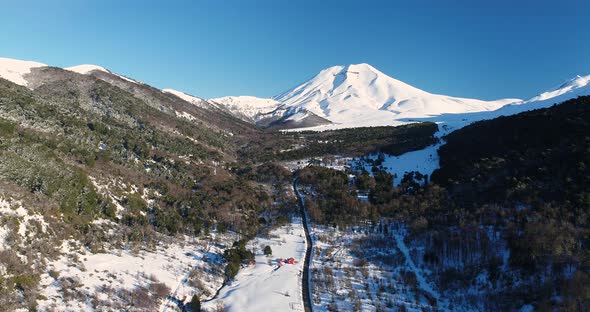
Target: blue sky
<point>481,49</point>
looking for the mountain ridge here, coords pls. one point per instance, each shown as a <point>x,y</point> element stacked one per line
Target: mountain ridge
<point>342,96</point>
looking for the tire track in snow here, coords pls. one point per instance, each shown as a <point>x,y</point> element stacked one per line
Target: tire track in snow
<point>421,281</point>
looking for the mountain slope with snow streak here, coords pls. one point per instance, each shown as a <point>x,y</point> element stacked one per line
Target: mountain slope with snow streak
<point>570,89</point>
<point>87,69</point>
<point>249,108</point>
<point>576,86</point>
<point>187,97</point>
<point>15,70</point>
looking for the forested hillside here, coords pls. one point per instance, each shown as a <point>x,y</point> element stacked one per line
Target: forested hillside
<point>79,152</point>
<point>504,221</point>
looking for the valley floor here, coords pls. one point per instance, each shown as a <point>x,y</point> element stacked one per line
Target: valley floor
<point>266,285</point>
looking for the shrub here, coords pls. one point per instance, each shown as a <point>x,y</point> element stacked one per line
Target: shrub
<point>267,250</point>
<point>159,290</point>
<point>195,304</point>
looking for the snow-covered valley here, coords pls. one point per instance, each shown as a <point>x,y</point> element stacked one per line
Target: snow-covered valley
<point>115,195</point>
<point>270,283</point>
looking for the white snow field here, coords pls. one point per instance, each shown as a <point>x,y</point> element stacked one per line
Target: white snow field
<point>424,161</point>
<point>15,70</point>
<point>266,286</point>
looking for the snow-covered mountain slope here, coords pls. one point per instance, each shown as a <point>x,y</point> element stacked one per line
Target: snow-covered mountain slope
<point>187,97</point>
<point>86,69</point>
<point>249,108</point>
<point>360,95</point>
<point>15,70</point>
<point>570,89</point>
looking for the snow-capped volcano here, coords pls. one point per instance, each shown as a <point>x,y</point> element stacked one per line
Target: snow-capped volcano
<point>354,96</point>
<point>362,94</point>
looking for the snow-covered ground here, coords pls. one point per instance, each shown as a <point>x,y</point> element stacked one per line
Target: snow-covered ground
<point>266,286</point>
<point>111,275</point>
<point>110,280</point>
<point>339,163</point>
<point>364,269</point>
<point>424,161</point>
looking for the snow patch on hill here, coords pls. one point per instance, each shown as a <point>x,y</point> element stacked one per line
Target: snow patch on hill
<point>89,68</point>
<point>15,70</point>
<point>86,69</point>
<point>424,161</point>
<point>187,97</point>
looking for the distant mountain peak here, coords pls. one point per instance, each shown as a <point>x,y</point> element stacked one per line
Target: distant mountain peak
<point>575,82</point>
<point>577,85</point>
<point>360,68</point>
<point>352,67</point>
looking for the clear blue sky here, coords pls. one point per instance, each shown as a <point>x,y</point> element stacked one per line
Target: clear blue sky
<point>471,48</point>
